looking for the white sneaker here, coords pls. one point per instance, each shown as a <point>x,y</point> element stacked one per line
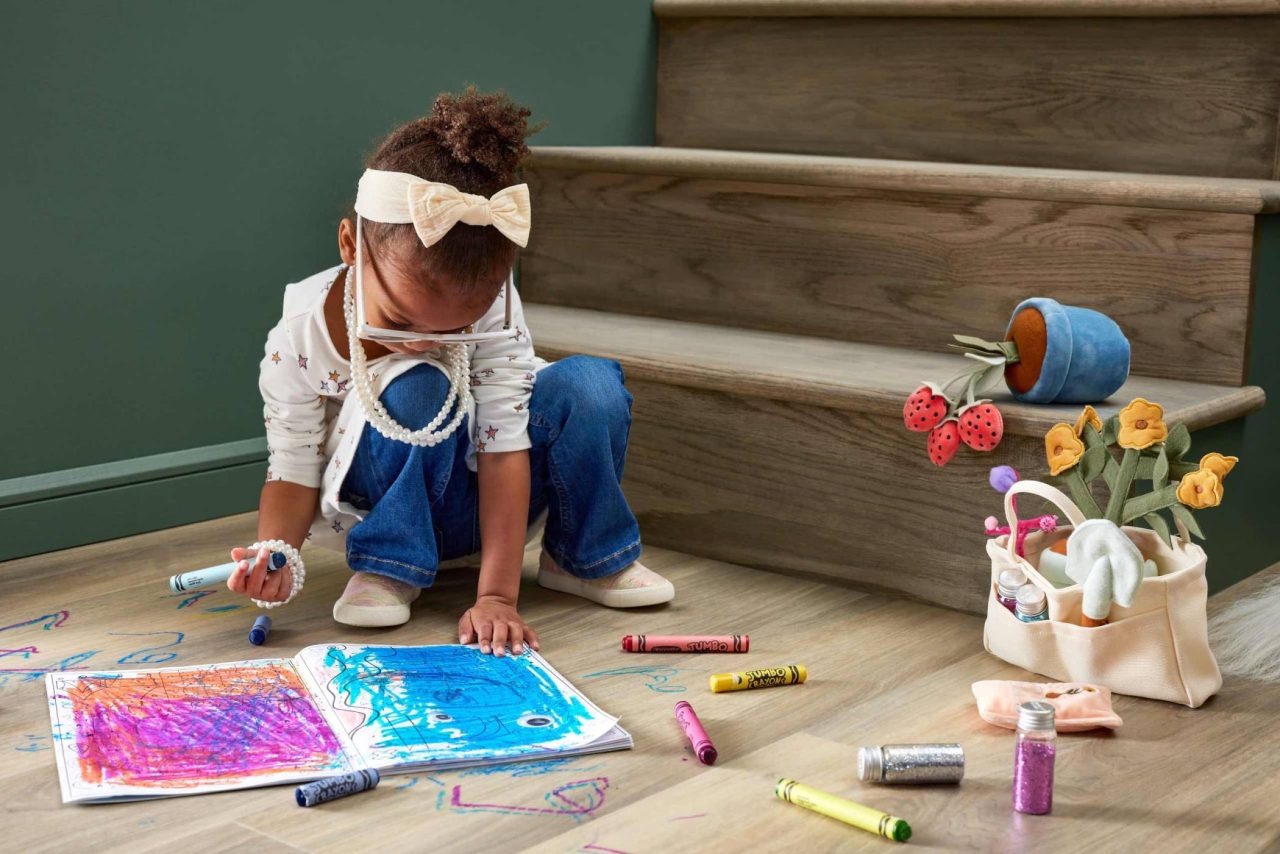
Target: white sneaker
<point>632,586</point>
<point>373,600</point>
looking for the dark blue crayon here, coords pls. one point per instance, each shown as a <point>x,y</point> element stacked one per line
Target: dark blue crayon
<point>258,634</point>
<point>331,788</point>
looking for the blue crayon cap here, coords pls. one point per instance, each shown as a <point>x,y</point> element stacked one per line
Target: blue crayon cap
<point>258,634</point>
<point>278,561</point>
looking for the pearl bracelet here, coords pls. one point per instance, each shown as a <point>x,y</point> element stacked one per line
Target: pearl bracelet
<point>296,566</point>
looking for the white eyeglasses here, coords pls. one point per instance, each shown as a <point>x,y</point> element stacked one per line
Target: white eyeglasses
<point>377,333</point>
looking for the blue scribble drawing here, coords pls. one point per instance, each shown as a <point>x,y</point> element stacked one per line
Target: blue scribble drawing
<point>189,599</point>
<point>408,705</point>
<point>222,609</point>
<point>148,654</point>
<point>656,677</point>
<point>35,743</point>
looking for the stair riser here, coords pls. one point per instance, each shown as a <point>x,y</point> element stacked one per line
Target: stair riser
<point>810,490</point>
<point>1195,96</point>
<point>895,268</point>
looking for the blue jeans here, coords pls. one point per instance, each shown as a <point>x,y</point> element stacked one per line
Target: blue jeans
<point>420,504</point>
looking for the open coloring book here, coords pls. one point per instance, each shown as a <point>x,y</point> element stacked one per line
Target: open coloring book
<point>329,709</point>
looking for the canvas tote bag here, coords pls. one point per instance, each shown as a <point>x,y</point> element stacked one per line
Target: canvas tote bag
<point>1156,648</point>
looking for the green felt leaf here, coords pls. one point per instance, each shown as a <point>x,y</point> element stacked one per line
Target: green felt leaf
<point>1179,441</point>
<point>1150,502</point>
<point>1184,513</point>
<point>1080,493</point>
<point>1111,429</point>
<point>1160,471</point>
<point>1093,462</point>
<point>1110,471</point>
<point>1158,524</point>
<point>1179,470</point>
<point>1124,481</point>
<point>988,378</point>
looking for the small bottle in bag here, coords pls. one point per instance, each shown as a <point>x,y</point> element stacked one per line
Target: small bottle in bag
<point>1033,605</point>
<point>1007,586</point>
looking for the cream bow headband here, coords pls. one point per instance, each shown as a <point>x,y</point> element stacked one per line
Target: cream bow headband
<point>434,208</point>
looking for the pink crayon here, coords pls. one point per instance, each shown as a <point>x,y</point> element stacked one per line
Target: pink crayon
<point>686,643</point>
<point>694,731</point>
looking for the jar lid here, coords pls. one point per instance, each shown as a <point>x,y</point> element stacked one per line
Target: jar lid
<point>1031,599</point>
<point>1010,580</point>
<point>1036,715</point>
<point>870,764</point>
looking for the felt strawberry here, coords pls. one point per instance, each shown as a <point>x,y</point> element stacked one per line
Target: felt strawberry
<point>981,426</point>
<point>944,441</point>
<point>925,408</point>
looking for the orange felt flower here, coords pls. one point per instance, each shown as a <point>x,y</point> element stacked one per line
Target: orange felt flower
<point>1200,489</point>
<point>1142,424</point>
<point>1062,447</point>
<point>1088,415</point>
<point>1218,464</point>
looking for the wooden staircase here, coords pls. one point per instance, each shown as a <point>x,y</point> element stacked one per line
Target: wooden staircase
<point>773,310</point>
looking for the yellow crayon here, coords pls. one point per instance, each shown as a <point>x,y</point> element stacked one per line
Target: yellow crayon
<point>767,677</point>
<point>866,818</point>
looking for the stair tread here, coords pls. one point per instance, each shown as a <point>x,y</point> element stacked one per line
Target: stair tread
<point>835,374</point>
<point>1182,192</point>
<point>961,8</point>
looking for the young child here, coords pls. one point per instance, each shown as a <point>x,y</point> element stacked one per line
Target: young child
<point>404,403</point>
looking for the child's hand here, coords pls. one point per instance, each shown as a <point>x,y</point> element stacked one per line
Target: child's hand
<point>494,622</point>
<point>253,580</point>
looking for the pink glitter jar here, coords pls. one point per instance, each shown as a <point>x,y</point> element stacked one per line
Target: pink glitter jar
<point>1033,758</point>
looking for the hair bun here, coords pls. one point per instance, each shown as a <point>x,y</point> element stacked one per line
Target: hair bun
<point>483,128</point>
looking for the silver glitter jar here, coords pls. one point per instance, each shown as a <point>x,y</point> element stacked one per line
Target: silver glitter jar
<point>911,763</point>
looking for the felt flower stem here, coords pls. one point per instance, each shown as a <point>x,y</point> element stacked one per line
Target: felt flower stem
<point>1124,482</point>
<point>1080,493</point>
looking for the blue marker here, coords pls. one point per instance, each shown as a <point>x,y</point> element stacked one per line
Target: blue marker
<point>218,574</point>
<point>258,634</point>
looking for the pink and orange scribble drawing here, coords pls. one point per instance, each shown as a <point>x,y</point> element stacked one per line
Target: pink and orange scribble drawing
<point>186,728</point>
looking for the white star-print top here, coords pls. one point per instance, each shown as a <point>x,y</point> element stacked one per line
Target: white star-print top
<point>313,424</point>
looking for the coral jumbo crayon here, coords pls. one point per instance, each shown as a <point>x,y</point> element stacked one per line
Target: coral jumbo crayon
<point>686,643</point>
<point>696,733</point>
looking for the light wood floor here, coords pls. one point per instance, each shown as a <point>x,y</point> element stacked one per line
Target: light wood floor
<point>881,671</point>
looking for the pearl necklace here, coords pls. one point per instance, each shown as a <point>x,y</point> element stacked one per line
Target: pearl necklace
<point>459,364</point>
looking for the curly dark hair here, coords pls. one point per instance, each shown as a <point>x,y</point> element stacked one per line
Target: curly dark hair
<point>474,141</point>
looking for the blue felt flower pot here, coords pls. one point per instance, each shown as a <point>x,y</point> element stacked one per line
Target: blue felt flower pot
<point>1086,356</point>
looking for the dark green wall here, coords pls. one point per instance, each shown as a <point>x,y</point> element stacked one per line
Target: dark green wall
<point>1243,535</point>
<point>169,167</point>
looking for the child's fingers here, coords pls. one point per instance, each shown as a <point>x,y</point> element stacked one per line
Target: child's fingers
<point>236,581</point>
<point>499,638</point>
<point>530,636</point>
<point>515,637</point>
<point>485,630</point>
<point>276,586</point>
<point>258,575</point>
<point>465,629</point>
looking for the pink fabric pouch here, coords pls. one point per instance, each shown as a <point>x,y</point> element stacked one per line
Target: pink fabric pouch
<point>1077,705</point>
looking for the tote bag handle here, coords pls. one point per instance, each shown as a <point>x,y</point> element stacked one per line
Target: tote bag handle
<point>1059,499</point>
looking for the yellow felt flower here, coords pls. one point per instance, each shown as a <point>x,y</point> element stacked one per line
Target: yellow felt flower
<point>1062,447</point>
<point>1088,415</point>
<point>1200,489</point>
<point>1218,464</point>
<point>1142,424</point>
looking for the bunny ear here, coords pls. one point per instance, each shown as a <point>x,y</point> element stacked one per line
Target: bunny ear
<point>1098,590</point>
